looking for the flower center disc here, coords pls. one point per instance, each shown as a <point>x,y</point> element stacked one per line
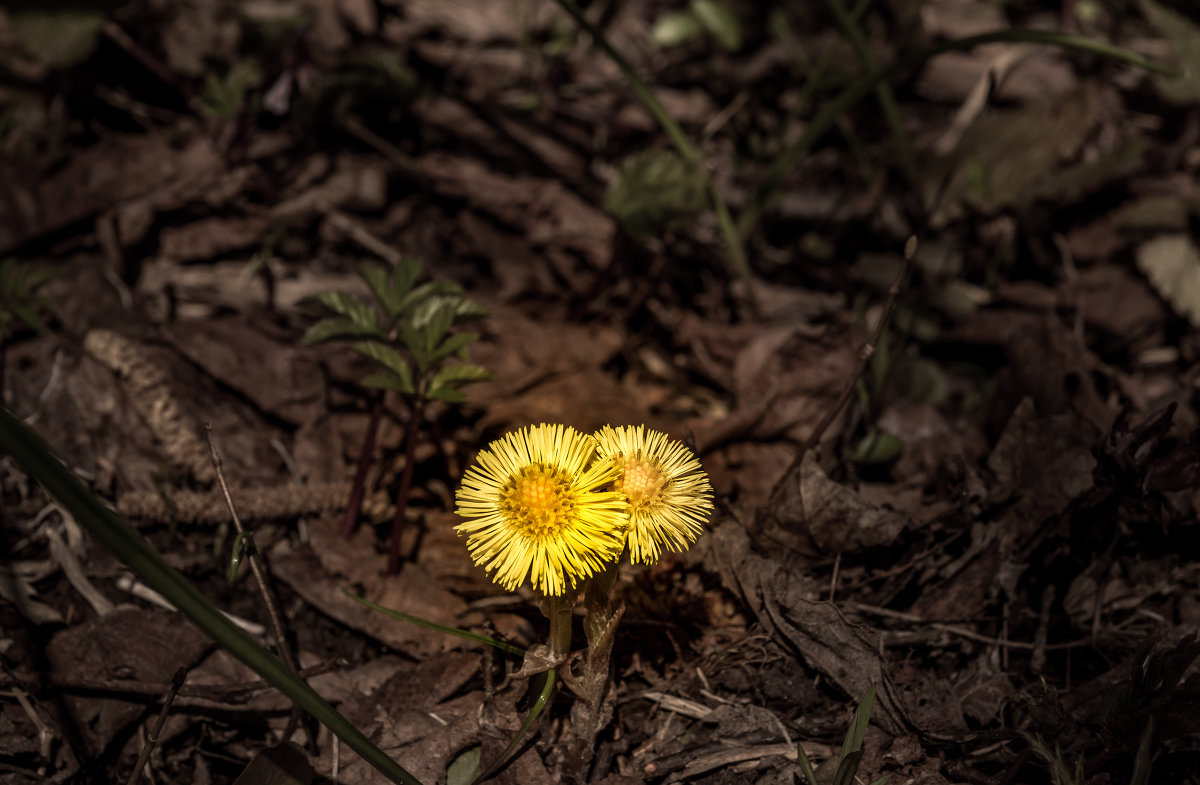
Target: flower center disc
<point>641,482</point>
<point>538,500</point>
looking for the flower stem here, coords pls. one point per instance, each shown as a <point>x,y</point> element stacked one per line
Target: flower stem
<point>354,506</point>
<point>410,449</point>
<point>594,709</point>
<point>559,611</point>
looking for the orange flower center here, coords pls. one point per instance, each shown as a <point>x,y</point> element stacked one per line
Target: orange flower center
<point>641,481</point>
<point>538,500</point>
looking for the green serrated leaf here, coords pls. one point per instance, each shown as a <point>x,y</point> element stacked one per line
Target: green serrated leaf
<point>461,308</point>
<point>349,306</point>
<point>379,281</point>
<point>405,275</point>
<point>387,357</point>
<point>408,336</point>
<point>388,381</point>
<point>418,304</point>
<point>435,330</point>
<point>719,21</point>
<point>654,189</point>
<point>459,374</point>
<point>454,345</point>
<point>338,328</point>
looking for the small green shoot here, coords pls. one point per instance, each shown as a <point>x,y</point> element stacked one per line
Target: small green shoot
<point>701,17</point>
<point>538,707</point>
<point>225,96</point>
<point>1061,772</point>
<point>851,753</point>
<point>243,545</point>
<point>654,189</point>
<point>408,332</point>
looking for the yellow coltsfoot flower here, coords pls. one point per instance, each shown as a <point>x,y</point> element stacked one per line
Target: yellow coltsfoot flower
<point>670,498</point>
<point>531,509</point>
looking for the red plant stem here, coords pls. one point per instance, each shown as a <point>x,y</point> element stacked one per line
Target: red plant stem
<point>410,449</point>
<point>354,506</point>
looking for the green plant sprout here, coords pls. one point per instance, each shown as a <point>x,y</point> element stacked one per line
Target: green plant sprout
<point>842,769</point>
<point>19,303</point>
<point>409,336</point>
<point>654,189</point>
<point>699,18</point>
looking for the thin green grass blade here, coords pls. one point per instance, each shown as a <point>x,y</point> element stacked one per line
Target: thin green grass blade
<point>853,33</point>
<point>36,458</point>
<point>847,768</point>
<point>858,725</point>
<point>1144,759</point>
<point>432,625</point>
<point>538,706</point>
<point>733,240</point>
<point>810,776</point>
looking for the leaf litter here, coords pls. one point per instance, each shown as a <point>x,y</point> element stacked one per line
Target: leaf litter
<point>1011,575</point>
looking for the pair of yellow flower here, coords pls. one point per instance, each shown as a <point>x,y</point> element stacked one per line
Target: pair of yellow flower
<point>555,505</point>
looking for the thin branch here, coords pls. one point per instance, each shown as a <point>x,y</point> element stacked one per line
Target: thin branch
<point>260,577</point>
<point>864,356</point>
<point>176,682</point>
<point>402,493</point>
<point>358,489</point>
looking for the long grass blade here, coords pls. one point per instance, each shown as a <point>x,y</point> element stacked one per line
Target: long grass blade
<point>36,458</point>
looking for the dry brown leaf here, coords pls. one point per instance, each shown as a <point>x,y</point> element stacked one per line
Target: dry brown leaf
<point>329,564</point>
<point>274,372</point>
<point>546,210</point>
<point>837,518</point>
<point>845,654</point>
<point>117,169</point>
<point>144,645</point>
